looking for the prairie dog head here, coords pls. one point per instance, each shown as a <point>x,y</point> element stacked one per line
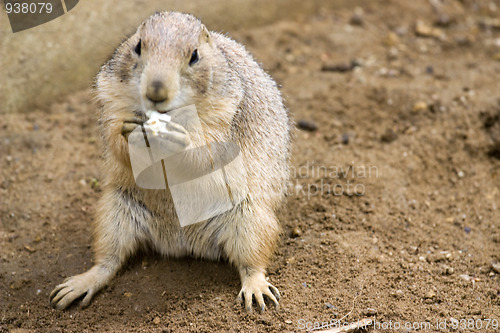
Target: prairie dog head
<point>171,50</point>
<point>168,63</point>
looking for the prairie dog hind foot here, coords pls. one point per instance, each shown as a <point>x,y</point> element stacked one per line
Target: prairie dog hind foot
<point>256,288</point>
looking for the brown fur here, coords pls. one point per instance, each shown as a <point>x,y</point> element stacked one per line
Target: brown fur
<point>236,102</point>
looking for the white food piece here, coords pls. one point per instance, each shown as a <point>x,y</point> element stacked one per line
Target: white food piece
<point>157,122</point>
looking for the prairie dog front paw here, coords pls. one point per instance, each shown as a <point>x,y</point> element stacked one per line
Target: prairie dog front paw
<point>168,139</point>
<point>173,140</point>
<point>86,284</point>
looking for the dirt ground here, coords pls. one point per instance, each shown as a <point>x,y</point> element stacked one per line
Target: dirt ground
<point>392,213</point>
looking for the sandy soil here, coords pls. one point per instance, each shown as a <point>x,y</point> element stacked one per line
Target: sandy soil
<point>393,212</point>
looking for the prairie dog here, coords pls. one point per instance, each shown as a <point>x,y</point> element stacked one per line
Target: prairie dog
<point>171,61</point>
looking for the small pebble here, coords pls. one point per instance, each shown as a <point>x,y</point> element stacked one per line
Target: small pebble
<point>419,106</point>
<point>345,139</point>
<point>447,270</point>
<point>401,30</point>
<point>465,277</point>
<point>157,321</point>
<point>330,306</point>
<point>389,136</point>
<point>391,39</point>
<point>424,30</point>
<point>357,17</point>
<point>5,184</point>
<point>443,20</point>
<point>296,232</point>
<point>370,312</point>
<point>29,248</point>
<point>467,230</point>
<point>359,191</point>
<point>464,40</point>
<point>307,125</point>
<point>439,256</point>
<point>495,238</point>
<point>413,204</point>
<point>496,266</point>
<point>430,295</point>
<point>392,53</point>
<point>489,22</point>
<point>340,68</point>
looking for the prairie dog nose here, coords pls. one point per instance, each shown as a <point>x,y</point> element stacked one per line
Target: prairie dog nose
<point>157,91</point>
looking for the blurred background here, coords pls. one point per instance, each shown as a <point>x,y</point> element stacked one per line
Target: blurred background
<point>65,54</point>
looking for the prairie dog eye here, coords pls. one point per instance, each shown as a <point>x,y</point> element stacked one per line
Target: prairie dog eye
<point>194,58</point>
<point>137,48</point>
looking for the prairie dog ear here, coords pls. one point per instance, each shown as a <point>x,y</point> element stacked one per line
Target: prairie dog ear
<point>205,36</point>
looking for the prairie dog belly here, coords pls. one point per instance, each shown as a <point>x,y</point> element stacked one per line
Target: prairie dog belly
<point>166,236</point>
